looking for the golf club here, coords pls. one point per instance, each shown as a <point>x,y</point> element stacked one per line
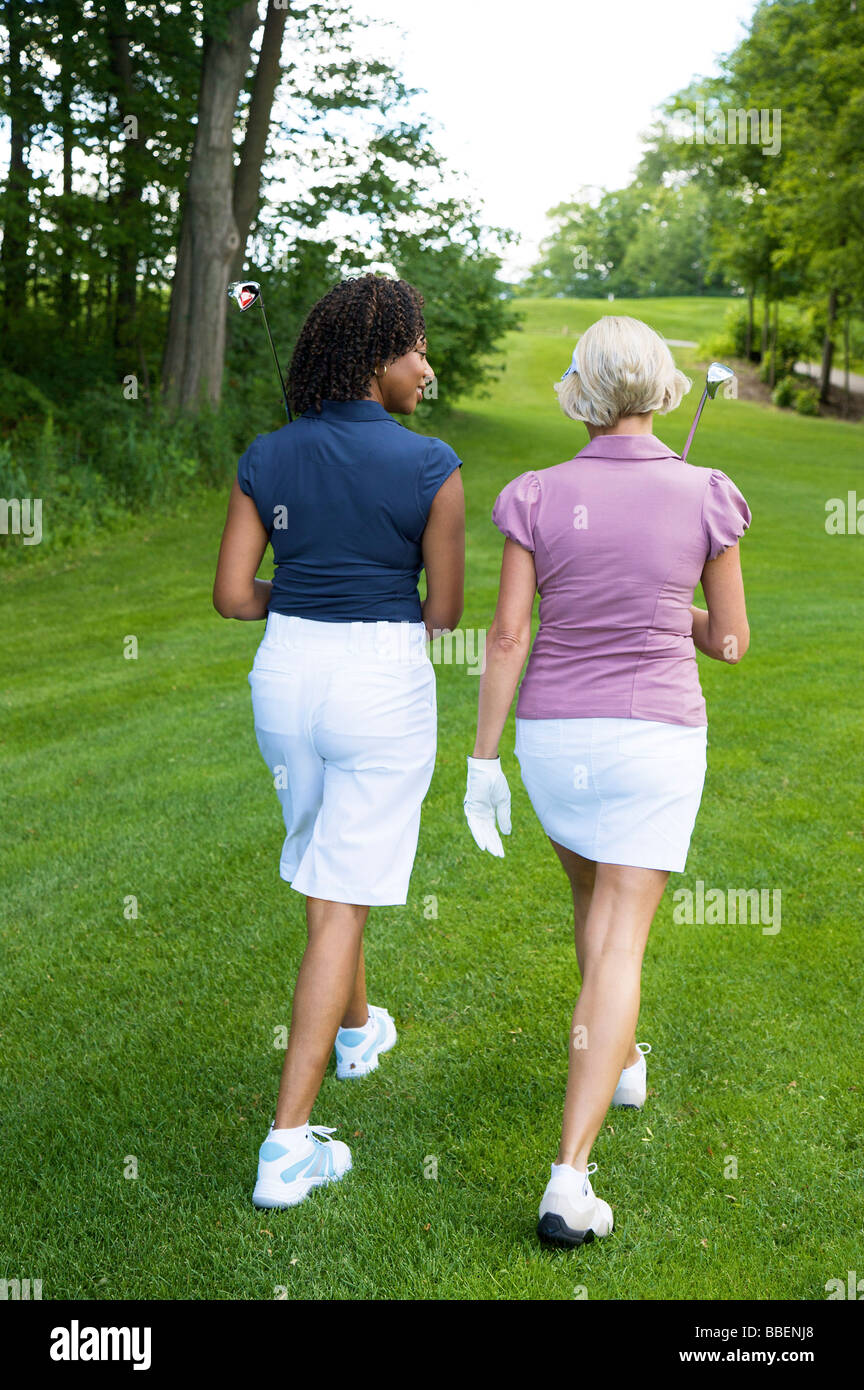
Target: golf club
<point>245,293</point>
<point>716,374</point>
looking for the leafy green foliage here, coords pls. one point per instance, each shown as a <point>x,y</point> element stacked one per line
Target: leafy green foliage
<point>640,241</point>
<point>784,392</point>
<point>807,401</point>
<point>799,331</point>
<point>117,84</point>
<point>751,181</point>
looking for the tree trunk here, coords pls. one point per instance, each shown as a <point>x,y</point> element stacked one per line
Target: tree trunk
<point>89,297</point>
<point>64,289</point>
<point>67,292</point>
<point>128,201</point>
<point>195,350</point>
<point>847,400</point>
<point>748,344</point>
<point>766,312</point>
<point>775,332</point>
<point>828,348</point>
<point>247,180</point>
<point>16,200</point>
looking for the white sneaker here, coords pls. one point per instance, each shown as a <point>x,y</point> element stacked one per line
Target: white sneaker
<point>358,1049</point>
<point>632,1087</point>
<point>287,1173</point>
<point>570,1214</point>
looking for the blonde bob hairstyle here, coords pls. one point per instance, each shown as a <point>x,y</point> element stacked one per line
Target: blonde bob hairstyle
<point>624,368</point>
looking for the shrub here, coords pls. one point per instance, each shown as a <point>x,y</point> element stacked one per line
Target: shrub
<point>21,401</point>
<point>798,337</point>
<point>101,458</point>
<point>784,392</point>
<point>807,401</point>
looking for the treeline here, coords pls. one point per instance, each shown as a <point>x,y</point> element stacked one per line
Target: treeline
<point>751,182</point>
<point>159,150</point>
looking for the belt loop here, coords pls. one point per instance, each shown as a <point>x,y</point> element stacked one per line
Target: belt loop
<point>354,638</point>
<point>382,638</point>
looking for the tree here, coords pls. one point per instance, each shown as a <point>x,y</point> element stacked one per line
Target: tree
<point>142,207</point>
<point>20,107</point>
<point>588,242</point>
<point>650,238</point>
<point>818,210</point>
<point>247,180</point>
<point>195,349</point>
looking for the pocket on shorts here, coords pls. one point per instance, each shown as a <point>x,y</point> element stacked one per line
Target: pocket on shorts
<point>538,738</point>
<point>273,657</point>
<point>645,738</point>
<point>382,700</point>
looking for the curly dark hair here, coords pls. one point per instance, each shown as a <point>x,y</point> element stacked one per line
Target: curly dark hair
<point>360,325</point>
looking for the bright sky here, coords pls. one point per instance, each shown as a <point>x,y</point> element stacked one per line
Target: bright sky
<point>536,98</point>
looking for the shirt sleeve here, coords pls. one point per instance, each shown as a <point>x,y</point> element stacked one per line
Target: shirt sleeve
<point>725,514</point>
<point>515,509</point>
<point>439,462</point>
<point>246,469</point>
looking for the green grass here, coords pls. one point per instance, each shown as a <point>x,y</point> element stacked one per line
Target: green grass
<point>689,319</point>
<point>153,1037</point>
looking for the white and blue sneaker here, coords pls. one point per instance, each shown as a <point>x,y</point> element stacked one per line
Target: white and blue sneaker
<point>632,1087</point>
<point>570,1214</point>
<point>288,1170</point>
<point>358,1049</point>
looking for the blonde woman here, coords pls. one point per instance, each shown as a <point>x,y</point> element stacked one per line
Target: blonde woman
<point>611,722</point>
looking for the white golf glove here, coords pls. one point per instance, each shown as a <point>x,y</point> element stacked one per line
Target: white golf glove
<point>486,794</point>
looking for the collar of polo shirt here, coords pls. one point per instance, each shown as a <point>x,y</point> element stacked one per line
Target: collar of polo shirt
<point>627,446</point>
<point>348,410</point>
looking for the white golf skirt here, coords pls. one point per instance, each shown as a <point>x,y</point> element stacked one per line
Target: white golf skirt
<point>346,717</point>
<point>618,791</point>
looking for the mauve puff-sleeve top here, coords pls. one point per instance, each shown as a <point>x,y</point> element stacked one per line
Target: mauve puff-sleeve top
<point>620,535</point>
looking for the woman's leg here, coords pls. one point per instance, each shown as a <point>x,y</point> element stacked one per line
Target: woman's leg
<point>357,1012</point>
<point>581,873</point>
<point>325,985</point>
<point>617,923</point>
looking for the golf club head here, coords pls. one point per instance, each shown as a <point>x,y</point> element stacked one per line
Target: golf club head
<point>245,293</point>
<point>715,377</point>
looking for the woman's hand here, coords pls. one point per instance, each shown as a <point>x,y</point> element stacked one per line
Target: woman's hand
<point>486,795</point>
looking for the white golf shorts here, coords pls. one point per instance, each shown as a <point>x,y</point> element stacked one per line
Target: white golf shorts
<point>346,718</point>
<point>618,791</point>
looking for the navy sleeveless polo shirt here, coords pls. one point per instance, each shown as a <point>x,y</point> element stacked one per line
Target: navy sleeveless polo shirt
<point>344,495</point>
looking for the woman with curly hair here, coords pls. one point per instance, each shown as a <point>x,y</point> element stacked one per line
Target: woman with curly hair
<point>343,691</point>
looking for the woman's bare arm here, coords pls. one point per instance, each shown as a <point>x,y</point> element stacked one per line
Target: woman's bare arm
<point>723,631</point>
<point>508,642</point>
<point>443,548</point>
<point>236,591</point>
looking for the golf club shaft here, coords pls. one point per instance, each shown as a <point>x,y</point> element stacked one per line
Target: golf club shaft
<point>276,360</point>
<point>695,423</point>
